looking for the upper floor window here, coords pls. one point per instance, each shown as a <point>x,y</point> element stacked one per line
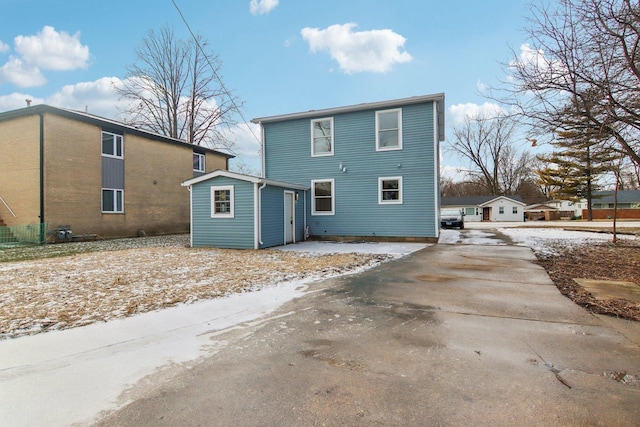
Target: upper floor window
<point>198,162</point>
<point>222,201</point>
<point>390,190</point>
<point>322,197</point>
<point>112,145</point>
<point>389,130</point>
<point>322,137</point>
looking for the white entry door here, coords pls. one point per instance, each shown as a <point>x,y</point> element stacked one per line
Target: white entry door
<point>289,214</point>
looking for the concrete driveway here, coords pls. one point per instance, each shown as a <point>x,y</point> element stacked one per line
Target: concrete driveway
<point>451,335</point>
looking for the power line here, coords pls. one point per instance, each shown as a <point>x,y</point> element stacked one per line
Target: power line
<point>222,86</point>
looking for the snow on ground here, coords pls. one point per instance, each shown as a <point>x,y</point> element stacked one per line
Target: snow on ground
<point>544,240</point>
<point>468,237</point>
<point>65,377</point>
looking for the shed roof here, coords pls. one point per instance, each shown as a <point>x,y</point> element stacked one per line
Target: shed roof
<point>242,177</point>
<point>105,123</point>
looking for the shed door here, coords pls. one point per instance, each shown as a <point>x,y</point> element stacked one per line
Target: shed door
<point>289,211</point>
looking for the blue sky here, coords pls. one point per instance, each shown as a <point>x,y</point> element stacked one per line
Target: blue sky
<point>278,56</point>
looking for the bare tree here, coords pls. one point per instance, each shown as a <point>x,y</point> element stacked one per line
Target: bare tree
<point>586,54</point>
<point>486,143</point>
<point>175,90</point>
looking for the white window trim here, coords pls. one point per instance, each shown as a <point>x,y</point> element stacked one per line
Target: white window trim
<point>231,212</point>
<point>390,202</point>
<point>330,153</point>
<point>313,197</point>
<point>115,204</point>
<point>113,156</point>
<point>202,162</point>
<point>399,147</point>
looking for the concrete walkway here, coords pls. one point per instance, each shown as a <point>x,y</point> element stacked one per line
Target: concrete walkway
<point>451,335</point>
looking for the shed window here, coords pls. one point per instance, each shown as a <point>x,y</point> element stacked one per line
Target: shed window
<point>389,130</point>
<point>322,194</point>
<point>112,200</point>
<point>322,137</point>
<point>390,190</point>
<point>222,202</point>
<point>112,145</point>
<point>198,162</point>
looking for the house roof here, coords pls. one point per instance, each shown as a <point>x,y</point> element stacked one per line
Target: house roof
<point>540,207</point>
<point>476,200</point>
<point>624,196</point>
<point>439,98</point>
<point>242,177</point>
<point>106,124</point>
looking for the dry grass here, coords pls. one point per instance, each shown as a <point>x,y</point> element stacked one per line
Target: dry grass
<point>75,290</point>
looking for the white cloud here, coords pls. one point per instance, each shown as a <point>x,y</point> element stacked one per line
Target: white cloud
<point>535,62</point>
<point>19,73</point>
<point>358,51</point>
<point>4,47</point>
<point>458,112</point>
<point>247,148</point>
<point>17,100</point>
<point>260,7</point>
<point>98,97</point>
<point>455,173</point>
<point>52,50</point>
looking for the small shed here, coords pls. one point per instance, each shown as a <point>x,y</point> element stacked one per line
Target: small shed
<point>232,210</point>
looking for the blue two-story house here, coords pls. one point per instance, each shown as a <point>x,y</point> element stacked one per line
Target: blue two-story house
<point>364,172</point>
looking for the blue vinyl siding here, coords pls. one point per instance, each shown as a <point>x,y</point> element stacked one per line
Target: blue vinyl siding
<point>357,212</point>
<point>236,232</point>
<point>272,207</point>
<point>273,216</point>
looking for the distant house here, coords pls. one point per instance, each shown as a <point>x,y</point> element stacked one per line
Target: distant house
<point>487,208</point>
<point>366,171</point>
<point>602,203</point>
<point>95,175</point>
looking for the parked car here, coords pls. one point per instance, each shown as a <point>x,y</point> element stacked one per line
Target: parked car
<point>452,218</point>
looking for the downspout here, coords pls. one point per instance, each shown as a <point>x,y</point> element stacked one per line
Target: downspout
<point>436,160</point>
<point>304,209</point>
<point>190,216</point>
<point>42,230</point>
<point>263,171</point>
<point>259,214</point>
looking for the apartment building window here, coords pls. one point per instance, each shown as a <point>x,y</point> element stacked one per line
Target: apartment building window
<point>112,145</point>
<point>198,162</point>
<point>112,200</point>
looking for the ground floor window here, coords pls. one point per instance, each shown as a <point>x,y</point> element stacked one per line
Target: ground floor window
<point>222,201</point>
<point>390,190</point>
<point>501,210</point>
<point>322,196</point>
<point>514,210</point>
<point>112,200</point>
<point>470,211</point>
